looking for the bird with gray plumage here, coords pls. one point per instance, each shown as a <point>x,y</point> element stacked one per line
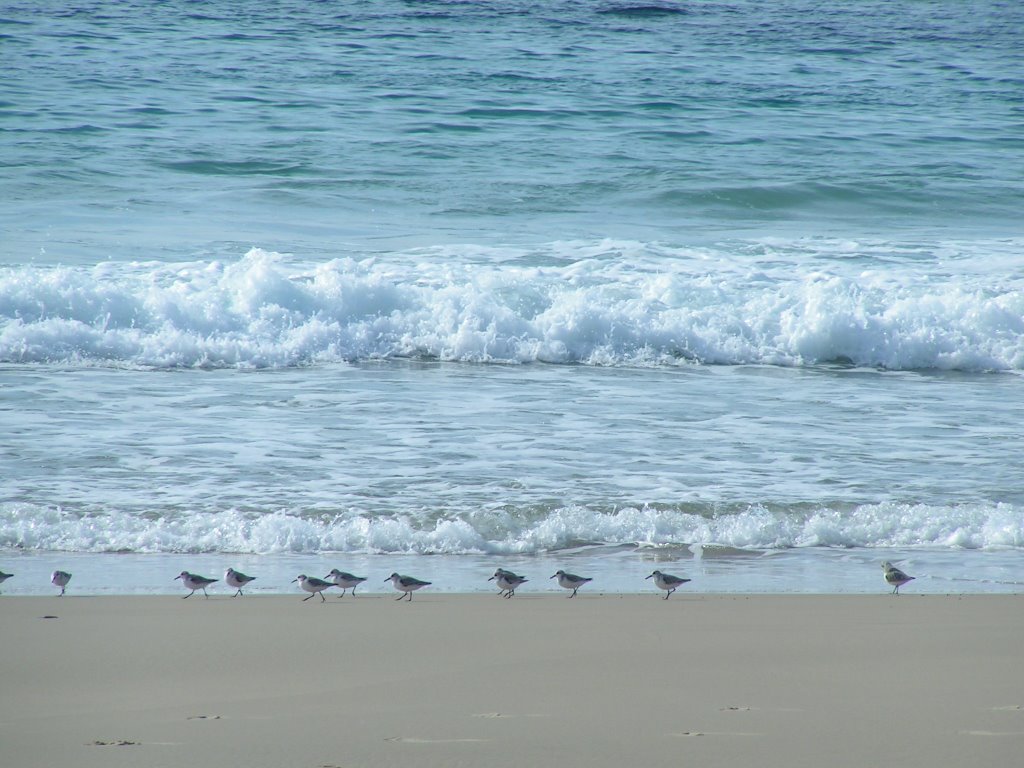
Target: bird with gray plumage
<point>4,576</point>
<point>895,577</point>
<point>313,585</point>
<point>507,582</point>
<point>60,579</point>
<point>237,579</point>
<point>570,581</point>
<point>406,584</point>
<point>667,581</point>
<point>345,580</point>
<point>194,581</point>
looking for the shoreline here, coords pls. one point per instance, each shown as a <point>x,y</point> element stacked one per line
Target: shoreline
<point>472,679</point>
<point>823,571</point>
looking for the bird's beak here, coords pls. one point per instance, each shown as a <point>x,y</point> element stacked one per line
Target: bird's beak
<point>647,577</point>
<point>491,579</point>
<point>553,576</point>
<point>177,577</point>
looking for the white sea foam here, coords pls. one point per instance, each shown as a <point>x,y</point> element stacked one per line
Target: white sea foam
<point>604,303</point>
<point>970,526</point>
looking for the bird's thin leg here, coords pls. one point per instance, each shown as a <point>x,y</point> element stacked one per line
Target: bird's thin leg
<point>306,598</point>
<point>400,597</point>
<point>186,597</point>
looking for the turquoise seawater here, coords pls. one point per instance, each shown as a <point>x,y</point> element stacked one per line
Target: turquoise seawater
<point>732,288</point>
<point>181,130</point>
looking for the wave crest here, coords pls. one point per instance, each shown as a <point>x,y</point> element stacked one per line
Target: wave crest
<point>971,526</point>
<point>605,304</point>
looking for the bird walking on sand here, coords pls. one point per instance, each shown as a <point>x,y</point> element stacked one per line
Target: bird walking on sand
<point>895,576</point>
<point>60,579</point>
<point>345,580</point>
<point>194,581</point>
<point>570,581</point>
<point>406,584</point>
<point>667,581</point>
<point>313,585</point>
<point>507,582</point>
<point>4,576</point>
<point>237,579</point>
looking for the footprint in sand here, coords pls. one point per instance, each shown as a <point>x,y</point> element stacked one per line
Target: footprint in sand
<point>117,743</point>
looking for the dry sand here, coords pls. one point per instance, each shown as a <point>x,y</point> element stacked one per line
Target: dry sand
<point>538,680</point>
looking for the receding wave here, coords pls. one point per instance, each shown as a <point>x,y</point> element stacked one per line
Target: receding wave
<point>970,526</point>
<point>913,307</point>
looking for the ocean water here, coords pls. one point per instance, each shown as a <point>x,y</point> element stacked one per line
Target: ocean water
<point>733,290</point>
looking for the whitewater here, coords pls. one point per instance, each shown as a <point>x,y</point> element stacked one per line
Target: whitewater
<point>948,306</point>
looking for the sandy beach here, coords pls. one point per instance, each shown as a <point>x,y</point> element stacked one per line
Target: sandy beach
<point>460,680</point>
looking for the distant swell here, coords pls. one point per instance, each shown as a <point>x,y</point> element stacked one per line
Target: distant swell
<point>615,304</point>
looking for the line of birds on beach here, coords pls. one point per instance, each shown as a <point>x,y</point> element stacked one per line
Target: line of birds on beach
<point>506,581</point>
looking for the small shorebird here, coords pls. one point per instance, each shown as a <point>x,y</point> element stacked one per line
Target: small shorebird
<point>194,581</point>
<point>4,576</point>
<point>895,576</point>
<point>507,582</point>
<point>667,581</point>
<point>406,584</point>
<point>345,580</point>
<point>60,579</point>
<point>312,585</point>
<point>570,581</point>
<point>237,580</point>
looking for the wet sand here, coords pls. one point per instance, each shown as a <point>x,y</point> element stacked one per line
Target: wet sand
<point>475,680</point>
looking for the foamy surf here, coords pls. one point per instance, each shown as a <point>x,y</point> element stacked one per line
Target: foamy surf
<point>599,303</point>
<point>26,527</point>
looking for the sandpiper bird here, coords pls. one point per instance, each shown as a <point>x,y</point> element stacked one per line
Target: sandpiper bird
<point>60,579</point>
<point>406,584</point>
<point>895,576</point>
<point>667,581</point>
<point>570,581</point>
<point>507,582</point>
<point>312,585</point>
<point>237,580</point>
<point>194,581</point>
<point>345,580</point>
<point>4,576</point>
